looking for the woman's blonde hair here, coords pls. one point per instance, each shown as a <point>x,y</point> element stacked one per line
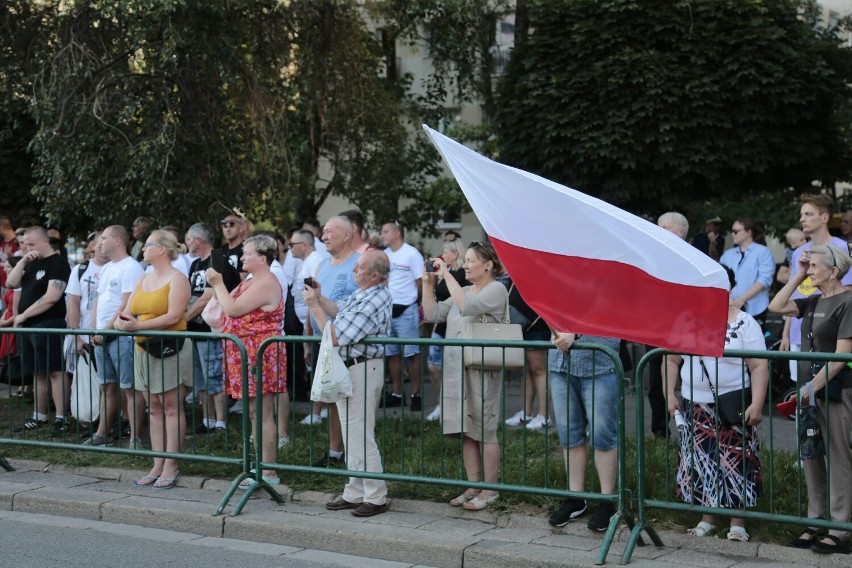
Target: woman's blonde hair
<point>169,242</point>
<point>456,246</point>
<point>833,257</point>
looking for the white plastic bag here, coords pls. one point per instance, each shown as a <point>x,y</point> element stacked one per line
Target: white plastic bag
<point>85,390</point>
<point>332,382</point>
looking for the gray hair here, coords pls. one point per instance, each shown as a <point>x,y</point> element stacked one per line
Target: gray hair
<point>203,232</point>
<point>265,246</point>
<point>833,257</point>
<point>675,219</point>
<point>381,264</point>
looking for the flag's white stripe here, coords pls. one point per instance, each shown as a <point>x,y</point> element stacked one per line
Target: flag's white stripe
<point>496,191</point>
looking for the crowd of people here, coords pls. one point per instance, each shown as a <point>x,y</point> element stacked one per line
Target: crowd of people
<point>259,284</point>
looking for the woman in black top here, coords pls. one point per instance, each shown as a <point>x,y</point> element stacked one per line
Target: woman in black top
<point>453,256</point>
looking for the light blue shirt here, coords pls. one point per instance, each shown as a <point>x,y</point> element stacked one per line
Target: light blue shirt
<point>754,265</point>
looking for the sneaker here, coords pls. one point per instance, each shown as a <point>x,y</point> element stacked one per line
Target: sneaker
<point>30,424</point>
<point>330,461</point>
<point>60,427</point>
<point>311,419</point>
<point>97,440</point>
<point>283,441</point>
<point>435,414</point>
<point>519,418</point>
<point>600,520</point>
<point>570,510</point>
<point>416,403</point>
<point>391,401</point>
<point>537,422</point>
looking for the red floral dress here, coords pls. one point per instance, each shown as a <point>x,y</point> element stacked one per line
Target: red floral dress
<point>253,329</point>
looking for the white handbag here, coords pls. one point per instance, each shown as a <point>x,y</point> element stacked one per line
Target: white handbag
<point>85,390</point>
<point>494,358</point>
<point>332,382</point>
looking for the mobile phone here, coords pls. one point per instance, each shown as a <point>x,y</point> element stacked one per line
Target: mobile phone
<point>430,265</point>
<point>309,281</point>
<point>123,317</point>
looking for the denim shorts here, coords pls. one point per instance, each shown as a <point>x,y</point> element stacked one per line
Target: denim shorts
<point>436,352</point>
<point>405,325</point>
<point>115,362</point>
<point>585,403</point>
<point>207,366</point>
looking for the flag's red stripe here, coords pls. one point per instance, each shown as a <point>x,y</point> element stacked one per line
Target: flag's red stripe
<point>612,299</point>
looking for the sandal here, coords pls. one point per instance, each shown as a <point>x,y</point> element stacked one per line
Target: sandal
<point>463,498</point>
<point>738,533</point>
<point>837,544</point>
<point>478,503</point>
<point>701,529</point>
<point>806,542</point>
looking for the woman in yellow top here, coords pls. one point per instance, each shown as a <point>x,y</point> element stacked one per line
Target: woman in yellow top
<point>162,369</point>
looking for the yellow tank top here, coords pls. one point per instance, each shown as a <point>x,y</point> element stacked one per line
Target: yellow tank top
<point>148,305</point>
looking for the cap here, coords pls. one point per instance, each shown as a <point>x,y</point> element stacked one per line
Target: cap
<point>715,219</point>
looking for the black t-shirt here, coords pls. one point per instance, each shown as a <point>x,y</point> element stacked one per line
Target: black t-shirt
<point>832,320</point>
<point>442,292</point>
<point>34,282</point>
<point>234,255</point>
<point>198,282</point>
<point>517,302</point>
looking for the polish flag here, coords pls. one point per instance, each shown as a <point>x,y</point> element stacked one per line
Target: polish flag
<point>588,267</point>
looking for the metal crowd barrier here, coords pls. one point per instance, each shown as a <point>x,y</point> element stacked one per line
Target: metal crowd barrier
<point>662,496</point>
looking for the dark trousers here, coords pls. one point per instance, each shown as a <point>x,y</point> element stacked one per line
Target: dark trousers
<point>657,397</point>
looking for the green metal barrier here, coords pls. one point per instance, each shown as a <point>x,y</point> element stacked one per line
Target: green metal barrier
<point>620,499</point>
<point>644,502</point>
<point>26,439</point>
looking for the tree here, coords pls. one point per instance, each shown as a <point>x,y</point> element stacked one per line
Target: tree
<point>660,105</point>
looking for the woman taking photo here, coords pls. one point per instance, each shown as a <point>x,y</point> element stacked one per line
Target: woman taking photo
<point>162,367</point>
<point>754,269</point>
<point>470,397</point>
<point>720,465</point>
<point>453,256</point>
<point>254,312</point>
<point>826,328</point>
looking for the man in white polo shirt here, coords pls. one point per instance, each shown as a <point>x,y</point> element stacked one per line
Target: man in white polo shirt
<point>406,276</point>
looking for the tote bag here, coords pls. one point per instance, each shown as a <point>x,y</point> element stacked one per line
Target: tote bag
<point>493,358</point>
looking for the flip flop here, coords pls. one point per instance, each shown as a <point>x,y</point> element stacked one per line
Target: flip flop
<point>170,482</point>
<point>139,482</point>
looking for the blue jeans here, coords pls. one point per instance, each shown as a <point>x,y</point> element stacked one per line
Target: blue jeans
<point>582,403</point>
<point>405,326</point>
<point>436,352</point>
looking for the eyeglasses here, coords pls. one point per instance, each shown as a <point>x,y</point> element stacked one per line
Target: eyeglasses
<point>228,222</point>
<point>153,245</point>
<point>294,243</point>
<point>736,231</point>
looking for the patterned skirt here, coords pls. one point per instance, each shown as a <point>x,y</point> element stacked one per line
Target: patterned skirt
<point>718,468</point>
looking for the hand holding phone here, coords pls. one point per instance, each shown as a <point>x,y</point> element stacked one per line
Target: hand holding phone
<point>309,281</point>
<point>121,316</point>
<point>430,265</point>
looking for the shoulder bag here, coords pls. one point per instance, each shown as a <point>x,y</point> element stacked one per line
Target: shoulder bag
<point>730,407</point>
<point>494,358</point>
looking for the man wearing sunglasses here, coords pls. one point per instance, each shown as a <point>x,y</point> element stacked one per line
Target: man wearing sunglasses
<point>234,229</point>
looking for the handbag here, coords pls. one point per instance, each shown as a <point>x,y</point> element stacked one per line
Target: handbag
<point>332,382</point>
<point>730,407</point>
<point>163,347</point>
<point>213,315</point>
<point>809,427</point>
<point>85,392</point>
<point>493,358</point>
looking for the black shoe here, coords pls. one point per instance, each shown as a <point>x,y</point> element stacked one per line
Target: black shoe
<point>416,403</point>
<point>837,545</point>
<point>30,424</point>
<point>60,427</point>
<point>391,401</point>
<point>600,520</point>
<point>570,510</point>
<point>330,461</point>
<point>121,429</point>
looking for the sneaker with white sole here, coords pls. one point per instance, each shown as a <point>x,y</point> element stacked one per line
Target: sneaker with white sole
<point>435,414</point>
<point>519,418</point>
<point>311,419</point>
<point>283,441</point>
<point>537,422</point>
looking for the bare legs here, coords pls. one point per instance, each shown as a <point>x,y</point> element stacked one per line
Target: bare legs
<point>167,428</point>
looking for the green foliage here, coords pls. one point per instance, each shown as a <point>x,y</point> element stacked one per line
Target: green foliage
<point>668,105</point>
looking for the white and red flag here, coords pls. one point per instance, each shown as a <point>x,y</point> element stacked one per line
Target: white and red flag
<point>586,266</point>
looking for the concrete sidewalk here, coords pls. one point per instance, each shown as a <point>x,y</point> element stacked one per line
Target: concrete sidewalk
<point>412,532</point>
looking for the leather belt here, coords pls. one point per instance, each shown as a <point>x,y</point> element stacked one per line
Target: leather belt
<point>352,361</point>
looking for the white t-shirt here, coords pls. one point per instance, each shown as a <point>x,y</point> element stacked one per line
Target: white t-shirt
<point>321,248</point>
<point>309,268</point>
<point>743,333</point>
<point>117,278</point>
<point>406,267</point>
<point>292,266</point>
<point>179,264</point>
<point>86,288</point>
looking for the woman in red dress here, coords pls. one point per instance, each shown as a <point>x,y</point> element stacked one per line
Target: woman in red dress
<point>254,312</point>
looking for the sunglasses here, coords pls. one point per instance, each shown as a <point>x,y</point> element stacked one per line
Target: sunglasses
<point>228,222</point>
<point>484,248</point>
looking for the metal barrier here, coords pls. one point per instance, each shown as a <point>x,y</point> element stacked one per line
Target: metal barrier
<point>775,512</point>
<point>512,481</point>
<point>213,454</point>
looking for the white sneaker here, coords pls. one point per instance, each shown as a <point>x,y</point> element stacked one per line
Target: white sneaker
<point>435,414</point>
<point>311,419</point>
<point>283,441</point>
<point>324,412</point>
<point>537,422</point>
<point>518,419</point>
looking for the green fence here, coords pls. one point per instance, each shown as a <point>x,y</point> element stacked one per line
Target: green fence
<point>774,482</point>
